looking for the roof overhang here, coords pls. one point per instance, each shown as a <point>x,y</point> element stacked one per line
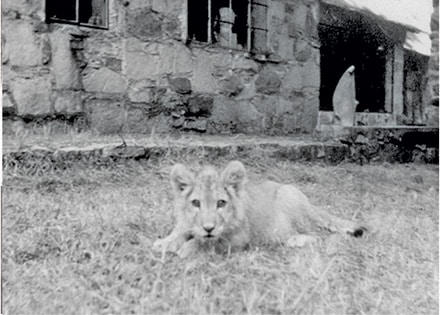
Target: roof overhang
<point>413,16</point>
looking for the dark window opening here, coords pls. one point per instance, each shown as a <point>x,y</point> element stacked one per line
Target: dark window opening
<point>91,13</point>
<point>65,10</point>
<point>348,38</point>
<point>198,20</point>
<point>228,23</point>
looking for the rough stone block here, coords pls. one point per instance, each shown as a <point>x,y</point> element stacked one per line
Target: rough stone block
<point>302,50</point>
<point>276,22</point>
<point>286,106</point>
<point>231,85</point>
<point>182,60</point>
<point>224,109</point>
<point>173,102</point>
<point>434,19</point>
<point>268,82</point>
<point>202,79</point>
<point>247,118</point>
<point>312,23</point>
<point>137,121</point>
<point>311,75</point>
<point>21,44</point>
<point>68,101</point>
<point>46,50</point>
<point>180,85</point>
<point>326,117</point>
<point>235,116</point>
<point>64,67</point>
<point>432,115</point>
<point>282,116</point>
<point>266,104</point>
<point>5,54</point>
<point>141,91</point>
<point>170,59</point>
<point>144,23</point>
<point>297,99</point>
<point>114,64</point>
<point>106,116</point>
<point>200,125</point>
<point>292,80</point>
<point>276,12</point>
<point>286,124</point>
<point>133,44</point>
<point>104,80</point>
<point>309,118</point>
<point>172,27</point>
<point>33,95</point>
<point>167,7</point>
<point>7,105</point>
<point>25,6</point>
<point>138,4</point>
<point>240,63</point>
<point>138,65</point>
<point>200,105</point>
<point>297,19</point>
<point>285,48</point>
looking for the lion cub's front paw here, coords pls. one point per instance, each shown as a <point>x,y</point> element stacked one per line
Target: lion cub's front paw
<point>160,245</point>
<point>188,249</point>
<point>167,245</point>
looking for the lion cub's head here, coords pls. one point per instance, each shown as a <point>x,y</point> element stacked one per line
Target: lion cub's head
<point>210,203</point>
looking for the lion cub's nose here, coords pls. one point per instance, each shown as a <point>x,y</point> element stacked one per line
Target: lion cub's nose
<point>208,227</point>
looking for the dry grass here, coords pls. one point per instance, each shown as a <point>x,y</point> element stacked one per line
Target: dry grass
<point>79,242</point>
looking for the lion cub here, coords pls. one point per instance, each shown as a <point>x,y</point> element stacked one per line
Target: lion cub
<point>229,212</point>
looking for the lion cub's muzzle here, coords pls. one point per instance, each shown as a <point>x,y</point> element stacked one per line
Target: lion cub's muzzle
<point>209,229</point>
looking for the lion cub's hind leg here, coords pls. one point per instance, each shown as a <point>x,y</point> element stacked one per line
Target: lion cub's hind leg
<point>301,240</point>
<point>306,218</point>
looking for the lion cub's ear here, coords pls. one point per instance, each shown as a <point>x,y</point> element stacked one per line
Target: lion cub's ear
<point>181,178</point>
<point>234,175</point>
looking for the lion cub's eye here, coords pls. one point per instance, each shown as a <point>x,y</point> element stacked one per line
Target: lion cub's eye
<point>221,203</point>
<point>196,203</point>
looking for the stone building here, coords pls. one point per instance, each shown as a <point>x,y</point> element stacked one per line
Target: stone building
<point>215,66</point>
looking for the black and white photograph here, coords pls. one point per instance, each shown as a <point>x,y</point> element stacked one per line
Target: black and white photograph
<point>220,157</point>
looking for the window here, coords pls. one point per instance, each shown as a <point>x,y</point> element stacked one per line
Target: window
<point>92,13</point>
<point>236,24</point>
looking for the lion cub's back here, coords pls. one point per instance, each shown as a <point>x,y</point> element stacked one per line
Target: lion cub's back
<point>274,209</point>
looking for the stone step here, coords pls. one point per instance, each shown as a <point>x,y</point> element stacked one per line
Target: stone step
<point>359,145</point>
<point>324,152</point>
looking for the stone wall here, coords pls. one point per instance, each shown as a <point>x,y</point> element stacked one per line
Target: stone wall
<point>431,111</point>
<point>433,63</point>
<point>141,75</point>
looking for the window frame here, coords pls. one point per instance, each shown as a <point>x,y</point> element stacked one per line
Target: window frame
<point>250,29</point>
<point>104,26</point>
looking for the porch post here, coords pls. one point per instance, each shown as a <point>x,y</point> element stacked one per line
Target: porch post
<point>398,82</point>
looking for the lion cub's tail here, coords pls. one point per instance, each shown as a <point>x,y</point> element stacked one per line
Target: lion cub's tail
<point>336,224</point>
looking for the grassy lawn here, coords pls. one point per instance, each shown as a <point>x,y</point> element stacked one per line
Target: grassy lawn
<point>79,241</point>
